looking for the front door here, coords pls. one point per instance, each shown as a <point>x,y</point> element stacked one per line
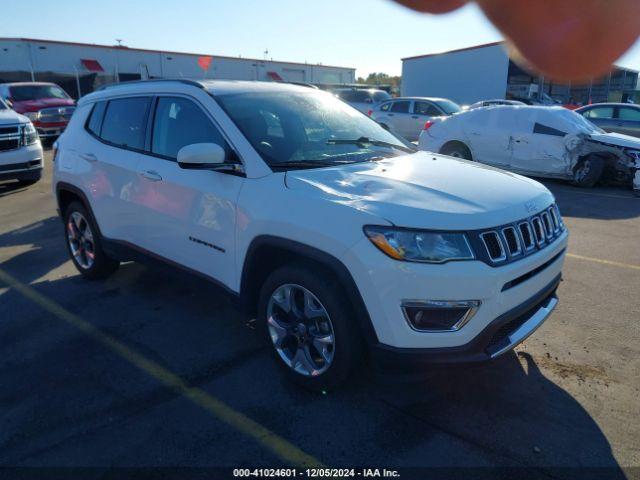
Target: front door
<point>190,214</point>
<point>423,111</point>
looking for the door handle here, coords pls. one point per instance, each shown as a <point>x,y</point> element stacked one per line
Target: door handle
<point>151,175</point>
<point>415,116</point>
<point>89,157</point>
<point>389,114</point>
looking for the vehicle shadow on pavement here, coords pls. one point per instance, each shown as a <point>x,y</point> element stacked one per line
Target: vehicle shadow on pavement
<point>510,409</point>
<point>9,188</point>
<point>71,398</point>
<point>600,203</point>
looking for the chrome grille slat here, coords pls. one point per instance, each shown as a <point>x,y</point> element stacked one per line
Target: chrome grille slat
<point>490,239</point>
<point>512,241</point>
<point>538,230</point>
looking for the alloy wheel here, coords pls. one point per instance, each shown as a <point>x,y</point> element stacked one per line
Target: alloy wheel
<point>80,238</point>
<point>301,330</point>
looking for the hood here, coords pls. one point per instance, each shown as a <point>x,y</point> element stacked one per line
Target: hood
<point>425,190</point>
<point>40,103</point>
<point>9,117</point>
<point>617,139</point>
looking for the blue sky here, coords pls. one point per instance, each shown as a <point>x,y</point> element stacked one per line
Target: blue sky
<point>371,35</point>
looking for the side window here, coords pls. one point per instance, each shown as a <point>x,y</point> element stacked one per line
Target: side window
<point>95,119</point>
<point>179,122</point>
<point>626,113</point>
<point>400,107</point>
<point>545,130</point>
<point>599,112</point>
<point>425,108</point>
<point>386,106</point>
<point>125,122</point>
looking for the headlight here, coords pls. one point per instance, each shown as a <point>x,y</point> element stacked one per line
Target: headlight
<point>29,134</point>
<point>33,116</point>
<point>420,246</point>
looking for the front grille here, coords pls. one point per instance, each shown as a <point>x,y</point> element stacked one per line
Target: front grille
<point>10,137</point>
<point>9,144</point>
<point>511,242</point>
<point>56,114</point>
<point>12,130</point>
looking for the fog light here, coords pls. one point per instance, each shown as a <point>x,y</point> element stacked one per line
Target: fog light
<point>439,316</point>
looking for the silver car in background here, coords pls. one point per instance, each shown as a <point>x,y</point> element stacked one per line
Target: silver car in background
<point>614,117</point>
<point>361,99</point>
<point>407,116</point>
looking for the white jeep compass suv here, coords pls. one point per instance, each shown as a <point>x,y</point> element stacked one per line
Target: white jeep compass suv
<point>341,239</point>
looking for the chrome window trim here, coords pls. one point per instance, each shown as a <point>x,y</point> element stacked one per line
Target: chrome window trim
<point>471,305</point>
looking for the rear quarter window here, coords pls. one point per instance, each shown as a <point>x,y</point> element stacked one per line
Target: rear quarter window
<point>94,123</point>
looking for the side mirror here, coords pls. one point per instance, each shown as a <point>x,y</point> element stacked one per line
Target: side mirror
<point>201,155</point>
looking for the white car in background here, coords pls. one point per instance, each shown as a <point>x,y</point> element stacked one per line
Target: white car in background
<point>20,148</point>
<point>361,99</point>
<point>406,116</point>
<point>494,102</point>
<point>540,141</point>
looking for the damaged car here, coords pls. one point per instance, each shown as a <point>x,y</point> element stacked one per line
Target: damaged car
<point>550,142</point>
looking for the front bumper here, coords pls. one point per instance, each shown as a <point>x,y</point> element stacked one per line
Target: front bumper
<point>384,284</point>
<point>498,338</point>
<point>21,163</point>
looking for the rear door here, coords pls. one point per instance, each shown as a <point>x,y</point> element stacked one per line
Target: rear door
<point>398,117</point>
<point>488,134</point>
<point>107,162</point>
<point>190,215</point>
<point>628,121</point>
<point>538,144</point>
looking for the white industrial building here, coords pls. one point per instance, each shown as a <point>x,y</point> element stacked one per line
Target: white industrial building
<point>487,72</point>
<point>81,68</point>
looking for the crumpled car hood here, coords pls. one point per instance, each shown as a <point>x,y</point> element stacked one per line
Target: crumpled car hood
<point>9,117</point>
<point>424,190</point>
<point>617,139</point>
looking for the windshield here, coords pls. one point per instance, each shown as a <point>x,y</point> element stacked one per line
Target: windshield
<point>309,129</point>
<point>21,93</point>
<point>380,96</point>
<point>582,124</point>
<point>448,106</point>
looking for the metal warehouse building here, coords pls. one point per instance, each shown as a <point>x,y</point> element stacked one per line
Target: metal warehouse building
<point>81,68</point>
<point>487,72</point>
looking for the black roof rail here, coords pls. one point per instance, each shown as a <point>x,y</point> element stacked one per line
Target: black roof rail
<point>186,81</point>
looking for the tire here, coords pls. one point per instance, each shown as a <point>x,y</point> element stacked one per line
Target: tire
<point>85,245</point>
<point>457,150</point>
<point>297,335</point>
<point>588,171</point>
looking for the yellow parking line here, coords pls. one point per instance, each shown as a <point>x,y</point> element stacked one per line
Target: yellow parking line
<point>268,439</point>
<point>605,262</point>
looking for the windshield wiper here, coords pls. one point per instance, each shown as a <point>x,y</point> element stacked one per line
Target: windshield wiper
<point>302,164</point>
<point>363,141</point>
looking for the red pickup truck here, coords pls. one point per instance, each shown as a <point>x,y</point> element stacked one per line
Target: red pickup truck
<point>46,104</point>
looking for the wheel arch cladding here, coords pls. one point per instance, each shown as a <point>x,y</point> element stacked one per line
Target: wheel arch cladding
<point>66,194</point>
<point>266,253</point>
